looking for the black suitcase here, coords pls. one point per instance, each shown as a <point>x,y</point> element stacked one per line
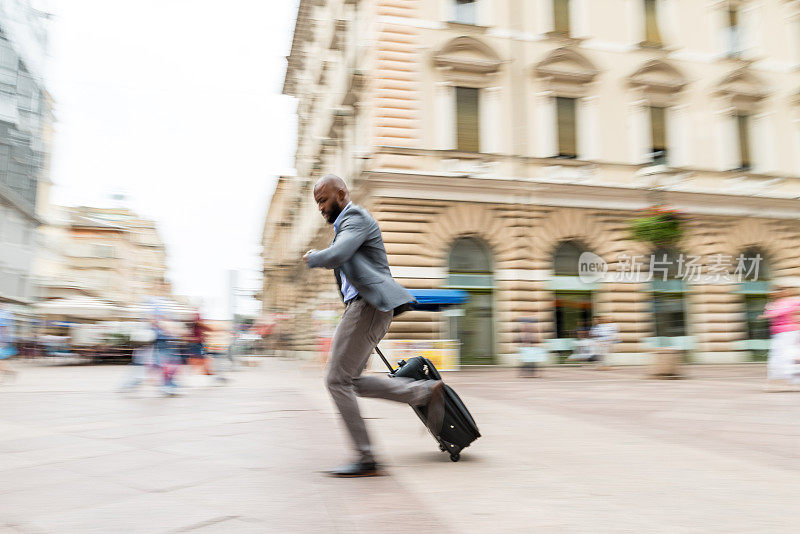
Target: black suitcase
<point>458,427</point>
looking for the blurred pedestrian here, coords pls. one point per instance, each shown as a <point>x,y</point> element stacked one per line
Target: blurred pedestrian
<point>7,347</point>
<point>165,350</point>
<point>784,351</point>
<point>582,349</point>
<point>604,334</point>
<point>372,297</point>
<point>196,348</point>
<point>529,353</point>
<point>142,361</point>
<point>325,319</point>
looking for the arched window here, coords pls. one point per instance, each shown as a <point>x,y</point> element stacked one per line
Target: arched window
<point>751,266</point>
<point>565,259</point>
<point>470,255</point>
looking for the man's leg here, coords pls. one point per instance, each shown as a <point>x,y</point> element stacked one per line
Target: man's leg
<point>359,331</point>
<point>400,389</point>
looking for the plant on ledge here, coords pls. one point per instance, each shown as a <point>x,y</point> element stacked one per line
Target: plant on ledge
<point>659,225</point>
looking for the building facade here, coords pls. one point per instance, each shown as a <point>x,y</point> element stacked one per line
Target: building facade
<point>25,127</point>
<point>496,141</point>
<point>109,253</point>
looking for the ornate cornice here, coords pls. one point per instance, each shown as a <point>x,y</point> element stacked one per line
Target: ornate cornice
<point>566,65</point>
<point>467,60</point>
<point>658,76</point>
<point>743,87</point>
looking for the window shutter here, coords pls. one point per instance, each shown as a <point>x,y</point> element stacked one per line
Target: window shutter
<point>652,34</point>
<point>743,129</point>
<point>561,16</point>
<point>565,113</point>
<point>467,124</point>
<point>658,134</point>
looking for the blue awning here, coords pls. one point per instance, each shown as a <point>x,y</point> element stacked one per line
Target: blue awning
<point>435,299</point>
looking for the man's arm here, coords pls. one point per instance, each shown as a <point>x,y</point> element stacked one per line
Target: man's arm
<point>350,237</point>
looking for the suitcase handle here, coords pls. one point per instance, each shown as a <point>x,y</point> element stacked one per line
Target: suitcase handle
<point>378,350</point>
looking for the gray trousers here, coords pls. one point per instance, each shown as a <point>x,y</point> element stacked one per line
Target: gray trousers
<point>361,328</point>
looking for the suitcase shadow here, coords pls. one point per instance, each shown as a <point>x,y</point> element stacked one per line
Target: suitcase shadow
<point>436,457</point>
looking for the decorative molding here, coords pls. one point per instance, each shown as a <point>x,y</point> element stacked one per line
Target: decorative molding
<point>658,76</point>
<point>743,88</point>
<point>469,61</point>
<point>566,72</point>
<point>395,184</point>
<point>566,64</point>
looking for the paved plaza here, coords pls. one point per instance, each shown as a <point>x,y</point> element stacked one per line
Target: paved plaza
<point>574,451</point>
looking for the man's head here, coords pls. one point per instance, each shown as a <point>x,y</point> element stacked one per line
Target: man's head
<point>331,196</point>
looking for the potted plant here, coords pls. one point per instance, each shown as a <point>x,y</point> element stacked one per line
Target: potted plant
<point>659,225</point>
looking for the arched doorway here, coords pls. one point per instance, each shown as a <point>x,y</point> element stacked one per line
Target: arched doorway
<point>573,299</point>
<point>470,268</point>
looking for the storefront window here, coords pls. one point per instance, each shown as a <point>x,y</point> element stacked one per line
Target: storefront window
<point>754,307</point>
<point>754,271</point>
<point>670,314</point>
<point>669,306</point>
<point>573,304</point>
<point>573,311</point>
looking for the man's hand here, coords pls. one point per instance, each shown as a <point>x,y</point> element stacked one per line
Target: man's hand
<point>307,254</point>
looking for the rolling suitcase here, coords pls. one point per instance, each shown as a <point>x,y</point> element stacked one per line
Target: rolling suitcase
<point>458,427</point>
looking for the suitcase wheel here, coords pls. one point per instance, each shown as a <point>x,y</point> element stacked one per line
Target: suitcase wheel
<point>455,457</point>
<point>442,448</point>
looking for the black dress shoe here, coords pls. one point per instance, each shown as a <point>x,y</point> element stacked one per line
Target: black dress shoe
<point>356,469</point>
<point>435,409</point>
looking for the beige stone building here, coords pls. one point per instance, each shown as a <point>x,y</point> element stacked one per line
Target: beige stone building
<point>497,140</point>
<point>109,253</point>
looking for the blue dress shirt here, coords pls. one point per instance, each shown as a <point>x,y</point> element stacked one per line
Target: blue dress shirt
<point>348,291</point>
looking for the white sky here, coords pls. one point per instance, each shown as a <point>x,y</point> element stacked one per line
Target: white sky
<point>176,103</point>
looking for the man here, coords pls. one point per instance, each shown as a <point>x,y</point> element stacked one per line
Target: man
<point>604,334</point>
<point>372,297</point>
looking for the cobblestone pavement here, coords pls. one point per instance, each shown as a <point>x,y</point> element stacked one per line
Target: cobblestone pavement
<point>576,450</point>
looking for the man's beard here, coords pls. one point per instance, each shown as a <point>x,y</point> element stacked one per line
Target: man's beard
<point>334,214</point>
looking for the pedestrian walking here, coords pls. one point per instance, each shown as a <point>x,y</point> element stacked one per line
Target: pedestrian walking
<point>196,348</point>
<point>165,347</point>
<point>784,351</point>
<point>372,297</point>
<point>325,320</point>
<point>604,334</point>
<point>582,348</point>
<point>142,360</point>
<point>7,347</point>
<point>530,354</point>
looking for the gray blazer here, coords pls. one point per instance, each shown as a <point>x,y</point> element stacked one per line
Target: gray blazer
<point>358,252</point>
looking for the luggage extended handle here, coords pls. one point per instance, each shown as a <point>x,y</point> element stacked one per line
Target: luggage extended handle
<point>378,350</point>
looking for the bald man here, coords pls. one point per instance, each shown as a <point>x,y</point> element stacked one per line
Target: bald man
<point>372,297</point>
